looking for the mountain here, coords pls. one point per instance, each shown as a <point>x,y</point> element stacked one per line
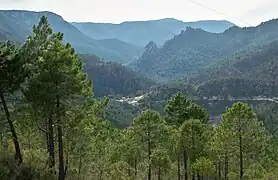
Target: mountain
<point>16,25</point>
<point>261,63</point>
<point>193,50</point>
<point>110,78</point>
<point>246,75</point>
<point>141,32</point>
<point>125,52</point>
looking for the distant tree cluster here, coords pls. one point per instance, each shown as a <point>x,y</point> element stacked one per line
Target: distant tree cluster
<point>237,87</point>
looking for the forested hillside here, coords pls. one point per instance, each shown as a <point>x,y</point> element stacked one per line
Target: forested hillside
<point>110,78</point>
<point>16,25</point>
<point>52,128</point>
<point>141,32</point>
<point>258,64</point>
<point>237,87</point>
<point>193,50</point>
<point>245,75</point>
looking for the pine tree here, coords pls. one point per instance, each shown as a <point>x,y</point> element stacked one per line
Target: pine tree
<point>12,75</point>
<point>149,128</point>
<point>57,80</point>
<point>248,135</point>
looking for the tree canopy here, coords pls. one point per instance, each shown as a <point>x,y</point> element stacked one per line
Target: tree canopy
<point>54,129</point>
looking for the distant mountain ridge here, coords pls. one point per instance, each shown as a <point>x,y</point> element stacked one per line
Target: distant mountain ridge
<point>193,50</point>
<point>141,32</point>
<point>122,43</point>
<point>16,25</point>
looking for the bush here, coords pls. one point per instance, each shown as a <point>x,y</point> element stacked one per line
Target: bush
<point>10,170</point>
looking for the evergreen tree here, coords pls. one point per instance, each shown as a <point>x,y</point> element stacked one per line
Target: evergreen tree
<point>12,75</point>
<point>149,128</point>
<point>248,135</point>
<point>57,81</point>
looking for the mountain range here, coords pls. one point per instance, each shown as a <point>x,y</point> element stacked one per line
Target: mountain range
<point>16,25</point>
<point>194,50</point>
<point>219,62</point>
<point>141,32</point>
<point>155,59</point>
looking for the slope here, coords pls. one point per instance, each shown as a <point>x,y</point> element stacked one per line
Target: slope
<point>194,49</point>
<point>141,32</point>
<point>261,63</point>
<point>110,78</point>
<point>245,75</point>
<point>16,25</point>
<point>230,88</point>
<point>126,52</point>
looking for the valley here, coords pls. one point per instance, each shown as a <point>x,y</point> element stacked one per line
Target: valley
<point>155,99</point>
<point>214,105</point>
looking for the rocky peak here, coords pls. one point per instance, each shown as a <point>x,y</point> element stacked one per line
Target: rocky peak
<point>151,47</point>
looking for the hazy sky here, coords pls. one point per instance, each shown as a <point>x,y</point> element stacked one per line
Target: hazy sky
<point>241,12</point>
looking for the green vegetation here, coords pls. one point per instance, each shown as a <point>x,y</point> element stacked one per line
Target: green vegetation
<point>247,75</point>
<point>237,87</point>
<point>52,128</point>
<point>107,77</point>
<point>240,62</point>
<point>260,64</point>
<point>110,78</point>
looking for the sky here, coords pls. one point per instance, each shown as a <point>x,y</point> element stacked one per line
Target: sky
<point>240,12</point>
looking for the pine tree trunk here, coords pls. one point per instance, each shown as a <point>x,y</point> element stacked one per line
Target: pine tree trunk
<point>129,169</point>
<point>226,167</point>
<point>179,167</point>
<point>79,166</point>
<point>149,155</point>
<point>61,154</point>
<point>159,173</point>
<point>47,140</point>
<point>215,171</point>
<point>240,157</point>
<point>100,174</point>
<point>29,140</point>
<point>193,152</point>
<point>51,149</point>
<point>219,170</point>
<point>67,160</point>
<point>18,155</point>
<point>185,165</point>
<point>135,168</point>
<point>193,176</point>
<point>60,143</point>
